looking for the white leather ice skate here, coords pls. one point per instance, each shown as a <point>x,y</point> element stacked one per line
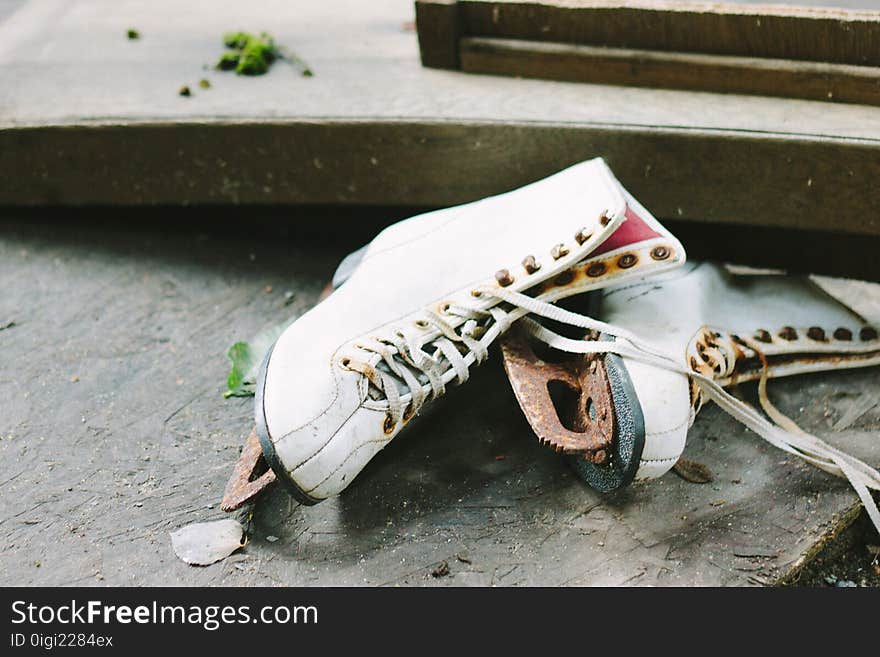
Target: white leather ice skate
<point>428,298</point>
<point>683,336</point>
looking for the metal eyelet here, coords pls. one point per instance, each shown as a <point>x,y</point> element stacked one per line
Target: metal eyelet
<point>788,333</point>
<point>388,424</point>
<point>582,235</point>
<point>530,264</point>
<point>559,251</point>
<point>843,334</point>
<point>476,294</point>
<point>564,278</point>
<point>660,252</point>
<point>627,260</point>
<point>596,269</point>
<point>604,219</point>
<point>421,323</point>
<point>503,278</point>
<point>868,333</point>
<point>816,333</point>
<point>344,362</point>
<point>408,412</point>
<point>762,335</point>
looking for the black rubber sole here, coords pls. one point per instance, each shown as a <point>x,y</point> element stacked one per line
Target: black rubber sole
<point>629,441</point>
<point>268,446</point>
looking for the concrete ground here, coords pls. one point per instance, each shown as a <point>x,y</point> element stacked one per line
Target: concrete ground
<point>114,431</point>
<point>114,326</point>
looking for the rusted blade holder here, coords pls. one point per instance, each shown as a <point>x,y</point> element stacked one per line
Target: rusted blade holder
<point>545,390</point>
<point>245,484</point>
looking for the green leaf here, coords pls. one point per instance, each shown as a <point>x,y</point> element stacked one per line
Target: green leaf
<point>246,358</point>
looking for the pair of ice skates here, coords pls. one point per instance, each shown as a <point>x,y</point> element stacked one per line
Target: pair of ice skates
<point>424,302</point>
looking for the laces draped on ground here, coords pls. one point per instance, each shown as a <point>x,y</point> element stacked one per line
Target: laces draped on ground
<point>407,375</point>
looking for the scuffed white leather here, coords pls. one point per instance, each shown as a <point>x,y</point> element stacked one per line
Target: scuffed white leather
<point>668,310</point>
<point>314,410</point>
<point>667,415</point>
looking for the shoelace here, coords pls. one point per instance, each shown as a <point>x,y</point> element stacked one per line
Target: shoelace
<point>481,327</point>
<point>404,356</point>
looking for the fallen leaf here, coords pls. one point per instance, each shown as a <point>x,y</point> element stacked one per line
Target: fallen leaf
<point>246,358</point>
<point>693,471</point>
<point>203,543</point>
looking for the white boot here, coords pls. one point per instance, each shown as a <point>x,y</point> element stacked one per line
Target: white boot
<point>678,339</point>
<point>429,297</point>
<point>709,317</point>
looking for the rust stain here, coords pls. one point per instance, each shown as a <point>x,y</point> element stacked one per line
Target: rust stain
<point>585,423</point>
<point>243,486</point>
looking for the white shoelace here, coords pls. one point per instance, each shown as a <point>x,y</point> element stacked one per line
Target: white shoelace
<point>405,352</point>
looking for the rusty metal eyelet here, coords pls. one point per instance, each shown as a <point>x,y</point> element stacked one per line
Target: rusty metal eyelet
<point>816,333</point>
<point>564,278</point>
<point>868,333</point>
<point>763,335</point>
<point>843,334</point>
<point>476,294</point>
<point>408,412</point>
<point>444,307</point>
<point>627,260</point>
<point>788,333</point>
<point>530,264</point>
<point>596,269</point>
<point>559,251</point>
<point>582,235</point>
<point>344,362</point>
<point>660,253</point>
<point>604,219</point>
<point>388,425</point>
<point>503,278</point>
<point>421,323</point>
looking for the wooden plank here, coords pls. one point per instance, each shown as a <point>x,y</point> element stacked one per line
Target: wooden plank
<point>438,29</point>
<point>775,180</point>
<point>804,33</point>
<point>374,127</point>
<point>648,68</point>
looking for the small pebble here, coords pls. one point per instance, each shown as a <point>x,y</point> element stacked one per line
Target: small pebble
<point>184,91</point>
<point>442,570</point>
<point>271,539</point>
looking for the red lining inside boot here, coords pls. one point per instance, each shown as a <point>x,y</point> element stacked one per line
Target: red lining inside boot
<point>631,231</point>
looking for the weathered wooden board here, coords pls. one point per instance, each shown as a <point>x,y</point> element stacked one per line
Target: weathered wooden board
<point>96,119</point>
<point>667,70</point>
<point>820,34</point>
<point>114,432</point>
<point>703,176</point>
